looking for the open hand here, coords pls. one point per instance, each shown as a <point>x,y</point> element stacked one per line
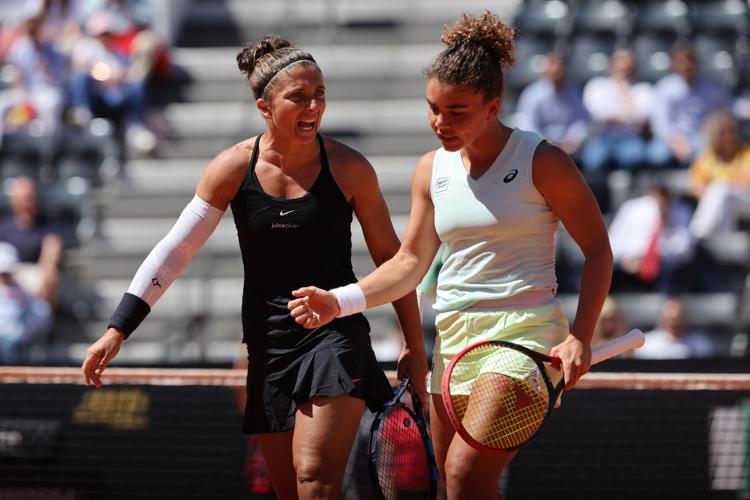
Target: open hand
<point>98,356</point>
<point>314,308</point>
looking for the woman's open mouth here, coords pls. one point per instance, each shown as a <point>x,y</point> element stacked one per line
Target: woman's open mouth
<point>307,125</point>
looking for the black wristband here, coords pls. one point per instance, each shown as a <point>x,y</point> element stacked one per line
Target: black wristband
<point>130,312</point>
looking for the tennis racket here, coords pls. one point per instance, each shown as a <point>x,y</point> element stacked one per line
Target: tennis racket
<point>499,395</point>
<point>402,463</point>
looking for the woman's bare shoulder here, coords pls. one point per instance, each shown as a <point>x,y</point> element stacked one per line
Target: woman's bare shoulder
<point>224,174</point>
<point>340,153</point>
<point>236,156</point>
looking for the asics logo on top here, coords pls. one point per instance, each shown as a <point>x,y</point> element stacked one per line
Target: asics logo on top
<point>511,175</point>
<point>283,213</point>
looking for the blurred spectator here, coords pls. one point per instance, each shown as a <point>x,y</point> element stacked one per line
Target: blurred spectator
<point>24,318</point>
<point>682,102</point>
<point>720,177</point>
<point>40,88</point>
<point>610,324</point>
<point>619,112</point>
<point>109,78</point>
<point>651,243</point>
<point>8,33</point>
<point>669,340</point>
<point>17,110</point>
<point>60,21</point>
<point>37,241</point>
<point>12,15</point>
<point>133,36</point>
<point>553,109</point>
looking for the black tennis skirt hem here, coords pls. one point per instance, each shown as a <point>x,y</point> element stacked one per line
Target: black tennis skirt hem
<point>330,371</point>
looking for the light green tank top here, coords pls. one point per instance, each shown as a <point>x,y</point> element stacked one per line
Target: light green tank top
<point>498,230</point>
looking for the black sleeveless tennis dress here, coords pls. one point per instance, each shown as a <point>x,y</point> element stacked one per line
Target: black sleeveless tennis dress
<point>286,244</point>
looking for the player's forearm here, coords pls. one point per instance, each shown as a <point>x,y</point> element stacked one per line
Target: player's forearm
<point>165,263</point>
<point>407,308</point>
<point>390,282</point>
<point>595,281</point>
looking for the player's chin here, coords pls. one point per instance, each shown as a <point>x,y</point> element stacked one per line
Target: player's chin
<point>451,144</point>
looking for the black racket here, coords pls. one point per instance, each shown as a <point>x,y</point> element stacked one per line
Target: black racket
<point>498,395</point>
<point>402,463</point>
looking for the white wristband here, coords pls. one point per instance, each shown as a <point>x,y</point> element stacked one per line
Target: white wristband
<point>351,299</point>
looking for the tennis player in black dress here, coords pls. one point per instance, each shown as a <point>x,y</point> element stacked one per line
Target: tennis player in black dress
<point>292,194</point>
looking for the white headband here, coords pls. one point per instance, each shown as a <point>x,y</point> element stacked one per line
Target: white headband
<point>298,61</point>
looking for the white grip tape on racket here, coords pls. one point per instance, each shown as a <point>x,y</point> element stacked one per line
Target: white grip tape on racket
<point>631,340</point>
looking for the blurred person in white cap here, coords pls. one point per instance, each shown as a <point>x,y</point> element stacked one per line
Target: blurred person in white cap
<point>25,319</point>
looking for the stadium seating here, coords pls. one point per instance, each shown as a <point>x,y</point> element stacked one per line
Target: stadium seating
<point>716,56</point>
<point>23,153</point>
<point>609,17</point>
<point>545,16</point>
<point>728,18</point>
<point>530,52</point>
<point>84,153</point>
<point>663,16</point>
<point>589,56</point>
<point>652,59</point>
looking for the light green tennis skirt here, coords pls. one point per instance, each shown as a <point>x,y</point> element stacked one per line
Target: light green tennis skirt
<point>538,328</point>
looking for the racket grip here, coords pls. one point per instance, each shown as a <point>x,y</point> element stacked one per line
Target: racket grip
<point>631,340</point>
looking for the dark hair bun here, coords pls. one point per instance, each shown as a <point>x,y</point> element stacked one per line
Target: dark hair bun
<point>253,52</point>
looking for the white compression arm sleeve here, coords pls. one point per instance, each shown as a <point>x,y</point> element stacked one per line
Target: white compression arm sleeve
<point>171,255</point>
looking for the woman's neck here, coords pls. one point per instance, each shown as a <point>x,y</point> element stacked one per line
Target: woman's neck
<point>288,155</point>
<point>485,149</point>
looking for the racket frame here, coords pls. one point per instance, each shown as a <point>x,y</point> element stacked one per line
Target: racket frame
<point>538,358</point>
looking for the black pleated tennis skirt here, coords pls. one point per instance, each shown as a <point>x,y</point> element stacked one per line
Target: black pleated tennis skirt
<point>330,361</point>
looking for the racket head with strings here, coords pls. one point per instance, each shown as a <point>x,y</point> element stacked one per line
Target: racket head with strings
<point>401,459</point>
<point>499,395</point>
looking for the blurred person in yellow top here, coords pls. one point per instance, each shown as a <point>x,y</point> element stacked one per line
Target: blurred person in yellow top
<point>720,178</point>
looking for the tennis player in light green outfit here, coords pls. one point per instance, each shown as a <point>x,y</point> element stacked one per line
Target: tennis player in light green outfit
<point>495,197</point>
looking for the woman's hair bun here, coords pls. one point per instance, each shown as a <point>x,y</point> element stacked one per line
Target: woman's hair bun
<point>251,53</point>
<point>486,30</point>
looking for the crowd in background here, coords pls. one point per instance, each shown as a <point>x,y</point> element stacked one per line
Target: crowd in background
<point>75,76</point>
<point>617,122</point>
<point>662,233</point>
<point>68,61</point>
